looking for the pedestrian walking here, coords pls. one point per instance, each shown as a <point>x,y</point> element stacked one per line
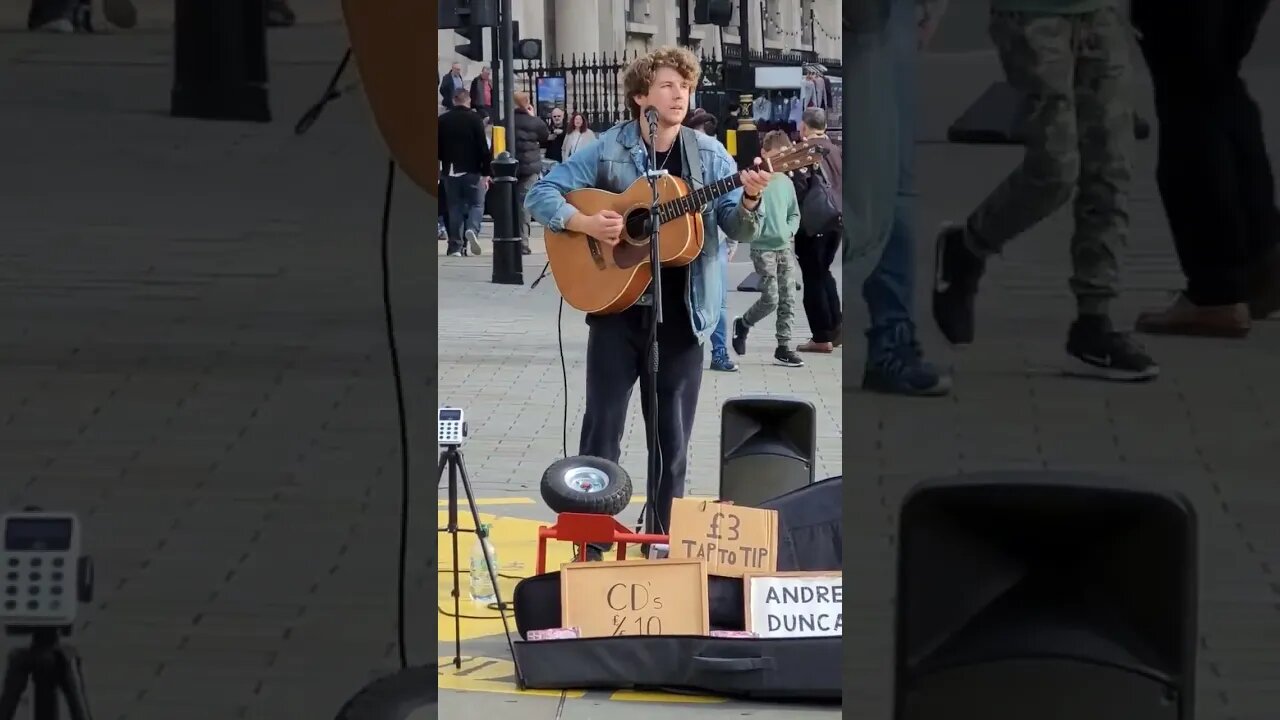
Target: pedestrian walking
<point>1213,170</point>
<point>1070,60</point>
<point>531,135</point>
<point>771,255</point>
<point>466,173</point>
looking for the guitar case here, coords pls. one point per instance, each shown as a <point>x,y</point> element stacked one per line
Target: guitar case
<point>810,538</point>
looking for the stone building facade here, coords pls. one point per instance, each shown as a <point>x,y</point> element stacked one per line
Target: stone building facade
<point>583,27</point>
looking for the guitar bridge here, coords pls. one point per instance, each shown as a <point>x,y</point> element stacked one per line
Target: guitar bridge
<point>596,255</point>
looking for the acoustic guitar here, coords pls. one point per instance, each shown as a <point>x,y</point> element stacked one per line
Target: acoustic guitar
<point>596,278</point>
<point>396,64</point>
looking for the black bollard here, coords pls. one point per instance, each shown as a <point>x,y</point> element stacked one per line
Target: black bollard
<point>508,263</point>
<point>220,60</point>
<point>748,134</point>
<point>748,150</point>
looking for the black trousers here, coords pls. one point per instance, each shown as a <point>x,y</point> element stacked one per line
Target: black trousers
<point>617,347</point>
<point>815,255</point>
<point>1213,172</point>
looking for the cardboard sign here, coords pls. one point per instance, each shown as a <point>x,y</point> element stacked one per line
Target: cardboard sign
<point>635,597</point>
<point>795,604</point>
<point>731,539</point>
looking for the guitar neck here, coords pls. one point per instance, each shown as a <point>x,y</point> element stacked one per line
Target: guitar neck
<point>693,201</point>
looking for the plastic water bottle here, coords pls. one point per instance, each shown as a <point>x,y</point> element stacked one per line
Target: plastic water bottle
<point>482,590</point>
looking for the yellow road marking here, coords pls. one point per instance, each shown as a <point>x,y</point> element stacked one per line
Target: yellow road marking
<point>515,541</point>
<point>654,697</point>
<point>462,501</point>
<point>481,502</point>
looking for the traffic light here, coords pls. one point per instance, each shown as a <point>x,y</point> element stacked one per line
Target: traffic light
<point>528,49</point>
<point>473,48</point>
<point>712,12</point>
<point>525,48</point>
<point>463,13</point>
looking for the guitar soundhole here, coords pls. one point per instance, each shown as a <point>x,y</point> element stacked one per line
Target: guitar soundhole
<point>636,226</point>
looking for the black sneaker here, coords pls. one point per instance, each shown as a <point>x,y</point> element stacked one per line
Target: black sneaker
<point>279,14</point>
<point>787,357</point>
<point>1101,352</point>
<point>740,330</point>
<point>957,272</point>
<point>901,370</point>
<point>594,554</point>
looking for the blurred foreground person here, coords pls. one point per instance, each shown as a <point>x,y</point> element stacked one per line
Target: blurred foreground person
<point>1213,172</point>
<point>879,138</point>
<point>869,138</point>
<point>1070,60</point>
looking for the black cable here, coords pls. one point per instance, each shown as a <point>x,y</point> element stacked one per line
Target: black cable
<point>564,369</point>
<point>400,410</point>
<point>564,373</point>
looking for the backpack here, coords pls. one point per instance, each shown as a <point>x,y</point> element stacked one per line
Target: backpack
<point>820,208</point>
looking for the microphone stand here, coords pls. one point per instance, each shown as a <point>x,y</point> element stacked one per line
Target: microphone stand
<point>650,515</point>
<point>331,92</point>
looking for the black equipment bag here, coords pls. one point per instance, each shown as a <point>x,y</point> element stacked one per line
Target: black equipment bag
<point>776,669</point>
<point>809,538</point>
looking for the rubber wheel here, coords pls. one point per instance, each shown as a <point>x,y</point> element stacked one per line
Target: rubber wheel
<point>601,488</point>
<point>394,697</point>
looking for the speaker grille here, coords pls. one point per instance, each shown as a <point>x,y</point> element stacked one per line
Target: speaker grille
<point>1039,690</point>
<point>1045,595</point>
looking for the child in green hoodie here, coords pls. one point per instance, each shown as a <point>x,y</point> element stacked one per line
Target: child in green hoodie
<point>771,255</point>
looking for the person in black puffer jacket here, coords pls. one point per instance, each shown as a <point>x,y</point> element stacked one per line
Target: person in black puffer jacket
<point>531,135</point>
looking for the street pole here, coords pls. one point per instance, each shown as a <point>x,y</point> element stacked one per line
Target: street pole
<point>507,51</point>
<point>686,24</point>
<point>744,37</point>
<point>220,61</point>
<point>496,67</point>
<point>508,263</point>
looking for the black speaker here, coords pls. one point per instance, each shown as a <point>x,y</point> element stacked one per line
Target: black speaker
<point>1053,596</point>
<point>768,444</point>
<point>712,12</point>
<point>405,695</point>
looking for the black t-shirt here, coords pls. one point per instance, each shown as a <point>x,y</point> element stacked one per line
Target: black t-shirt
<point>675,280</point>
<point>555,143</point>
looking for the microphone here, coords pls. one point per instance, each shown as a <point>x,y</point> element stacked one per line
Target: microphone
<point>651,114</point>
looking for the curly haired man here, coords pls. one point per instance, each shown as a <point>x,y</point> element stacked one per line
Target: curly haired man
<point>618,344</point>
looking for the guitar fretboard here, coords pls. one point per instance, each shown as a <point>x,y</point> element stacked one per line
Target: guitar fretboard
<point>669,211</point>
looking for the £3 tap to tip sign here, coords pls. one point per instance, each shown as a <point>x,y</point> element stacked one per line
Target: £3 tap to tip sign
<point>731,539</point>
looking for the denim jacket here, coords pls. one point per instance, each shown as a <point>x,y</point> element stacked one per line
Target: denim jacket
<point>618,158</point>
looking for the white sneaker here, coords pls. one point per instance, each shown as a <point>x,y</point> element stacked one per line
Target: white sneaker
<point>473,240</point>
<point>61,26</point>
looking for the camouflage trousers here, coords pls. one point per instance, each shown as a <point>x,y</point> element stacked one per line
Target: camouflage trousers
<point>777,291</point>
<point>1073,72</point>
